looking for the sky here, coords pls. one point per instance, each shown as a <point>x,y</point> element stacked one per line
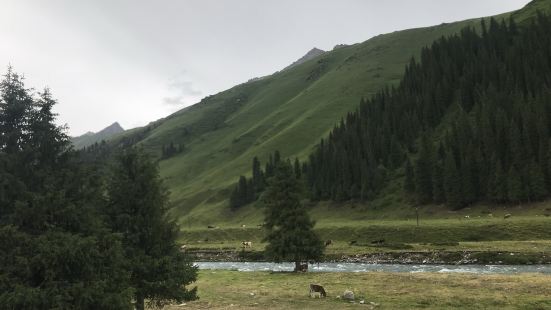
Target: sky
<point>135,61</point>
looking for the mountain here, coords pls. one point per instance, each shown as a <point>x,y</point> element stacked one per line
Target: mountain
<point>90,138</point>
<point>313,53</point>
<point>289,111</point>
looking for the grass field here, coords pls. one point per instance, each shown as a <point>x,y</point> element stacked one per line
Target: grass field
<point>262,290</point>
<point>476,229</point>
<point>364,224</point>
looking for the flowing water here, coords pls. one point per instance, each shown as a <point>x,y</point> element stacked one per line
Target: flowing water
<point>364,267</point>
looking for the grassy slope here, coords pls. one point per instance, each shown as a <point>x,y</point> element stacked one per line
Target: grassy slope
<point>289,111</point>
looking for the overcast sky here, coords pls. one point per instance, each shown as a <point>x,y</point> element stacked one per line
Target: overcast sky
<point>135,61</point>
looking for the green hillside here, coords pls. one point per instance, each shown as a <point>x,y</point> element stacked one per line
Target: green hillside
<point>289,111</point>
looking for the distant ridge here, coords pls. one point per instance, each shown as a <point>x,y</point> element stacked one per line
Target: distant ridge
<point>313,53</point>
<point>90,138</point>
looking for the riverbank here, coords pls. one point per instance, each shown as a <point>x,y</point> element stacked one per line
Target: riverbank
<point>485,240</point>
<point>222,289</point>
<point>494,253</point>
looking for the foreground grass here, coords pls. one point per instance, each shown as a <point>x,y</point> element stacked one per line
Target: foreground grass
<point>262,290</point>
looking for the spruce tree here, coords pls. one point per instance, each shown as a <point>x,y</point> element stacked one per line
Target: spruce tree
<point>258,180</point>
<point>537,187</point>
<point>138,210</point>
<point>423,171</point>
<point>409,182</point>
<point>290,235</point>
<point>514,186</point>
<point>452,183</point>
<point>55,251</point>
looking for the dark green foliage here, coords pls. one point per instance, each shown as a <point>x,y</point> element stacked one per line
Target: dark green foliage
<point>483,97</point>
<point>248,190</point>
<point>258,176</point>
<point>409,182</point>
<point>452,183</point>
<point>63,245</point>
<point>138,206</point>
<point>515,191</point>
<point>423,172</point>
<point>55,252</point>
<point>170,150</point>
<point>242,194</point>
<point>290,234</point>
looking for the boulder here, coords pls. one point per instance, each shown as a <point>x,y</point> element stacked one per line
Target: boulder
<point>348,295</point>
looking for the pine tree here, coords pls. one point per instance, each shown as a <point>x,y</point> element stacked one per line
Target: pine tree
<point>290,234</point>
<point>452,183</point>
<point>138,209</point>
<point>258,180</point>
<point>423,172</point>
<point>409,182</point>
<point>514,186</point>
<point>438,192</point>
<point>55,251</point>
<point>297,170</point>
<point>537,188</point>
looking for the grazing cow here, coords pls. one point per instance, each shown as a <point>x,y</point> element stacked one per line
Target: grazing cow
<point>183,248</point>
<point>211,226</point>
<point>508,215</point>
<point>380,241</point>
<point>328,242</point>
<point>301,267</point>
<point>246,244</point>
<point>318,290</point>
<point>243,226</point>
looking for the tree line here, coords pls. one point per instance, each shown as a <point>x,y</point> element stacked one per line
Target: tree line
<point>248,190</point>
<point>71,235</point>
<point>467,122</point>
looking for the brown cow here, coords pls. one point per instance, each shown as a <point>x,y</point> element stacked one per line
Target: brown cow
<point>300,267</point>
<point>328,242</point>
<point>316,289</point>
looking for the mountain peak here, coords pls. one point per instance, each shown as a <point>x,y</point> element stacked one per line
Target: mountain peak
<point>115,127</point>
<point>90,138</point>
<point>313,53</point>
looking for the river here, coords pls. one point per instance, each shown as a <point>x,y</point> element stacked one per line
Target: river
<point>364,267</point>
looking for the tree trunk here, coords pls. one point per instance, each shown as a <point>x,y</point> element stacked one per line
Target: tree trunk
<point>140,302</point>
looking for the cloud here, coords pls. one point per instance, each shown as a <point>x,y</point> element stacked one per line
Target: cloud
<point>182,90</point>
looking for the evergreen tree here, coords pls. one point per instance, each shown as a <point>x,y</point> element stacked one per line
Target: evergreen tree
<point>537,188</point>
<point>297,169</point>
<point>452,183</point>
<point>258,178</point>
<point>290,234</point>
<point>423,172</point>
<point>409,183</point>
<point>438,192</point>
<point>55,251</point>
<point>514,186</point>
<point>138,206</point>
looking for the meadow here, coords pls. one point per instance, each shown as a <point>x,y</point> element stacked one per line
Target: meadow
<point>263,290</point>
<point>353,229</point>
